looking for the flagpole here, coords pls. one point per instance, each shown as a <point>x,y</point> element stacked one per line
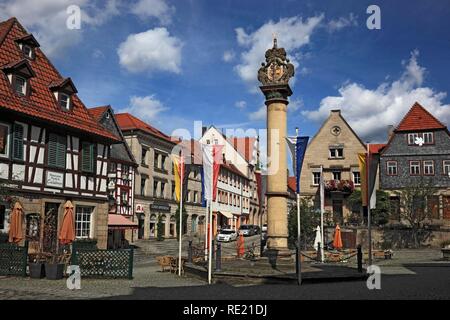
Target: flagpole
<point>369,222</point>
<point>181,211</point>
<point>210,219</point>
<point>299,253</point>
<point>322,209</point>
<point>208,203</point>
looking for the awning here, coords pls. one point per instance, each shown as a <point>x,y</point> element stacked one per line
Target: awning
<point>227,214</point>
<point>117,221</point>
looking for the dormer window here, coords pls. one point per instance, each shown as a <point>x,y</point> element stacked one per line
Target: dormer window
<point>63,91</point>
<point>27,45</point>
<point>19,74</point>
<point>64,101</point>
<point>27,51</point>
<point>20,85</point>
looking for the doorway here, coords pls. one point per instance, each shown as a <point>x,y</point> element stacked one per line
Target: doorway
<point>446,213</point>
<point>152,226</point>
<point>338,212</point>
<point>141,226</point>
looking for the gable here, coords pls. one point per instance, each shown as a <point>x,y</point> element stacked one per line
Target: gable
<point>326,133</point>
<point>41,103</point>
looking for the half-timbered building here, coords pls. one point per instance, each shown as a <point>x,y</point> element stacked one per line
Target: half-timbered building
<point>121,170</point>
<point>51,148</point>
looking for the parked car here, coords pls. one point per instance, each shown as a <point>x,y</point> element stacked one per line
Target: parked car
<point>256,229</point>
<point>227,235</point>
<point>247,230</point>
<point>264,227</point>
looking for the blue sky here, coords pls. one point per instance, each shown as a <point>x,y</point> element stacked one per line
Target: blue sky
<point>173,62</point>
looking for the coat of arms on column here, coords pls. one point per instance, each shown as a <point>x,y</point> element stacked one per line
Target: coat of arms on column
<point>277,69</point>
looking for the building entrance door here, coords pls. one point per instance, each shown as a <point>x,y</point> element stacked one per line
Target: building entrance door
<point>338,212</point>
<point>141,226</point>
<point>446,214</point>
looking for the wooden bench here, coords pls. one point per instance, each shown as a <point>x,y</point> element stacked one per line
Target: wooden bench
<point>174,265</point>
<point>164,262</point>
<point>386,254</point>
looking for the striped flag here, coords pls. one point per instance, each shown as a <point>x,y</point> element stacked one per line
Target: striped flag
<point>212,158</point>
<point>178,166</point>
<point>297,146</point>
<point>362,159</point>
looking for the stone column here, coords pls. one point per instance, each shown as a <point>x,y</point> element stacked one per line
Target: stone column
<point>277,194</point>
<point>274,75</point>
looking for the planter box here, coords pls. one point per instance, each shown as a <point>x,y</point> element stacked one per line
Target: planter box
<point>446,253</point>
<point>54,271</point>
<point>37,270</point>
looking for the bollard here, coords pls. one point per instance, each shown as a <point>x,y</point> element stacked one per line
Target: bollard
<point>219,256</point>
<point>190,252</point>
<point>359,258</point>
<point>319,252</point>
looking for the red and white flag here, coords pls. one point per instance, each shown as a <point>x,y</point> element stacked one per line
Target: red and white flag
<point>212,158</point>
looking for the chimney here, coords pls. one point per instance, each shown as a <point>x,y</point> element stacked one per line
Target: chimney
<point>336,111</point>
<point>390,131</point>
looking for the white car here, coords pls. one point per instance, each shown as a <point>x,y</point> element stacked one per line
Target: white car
<point>227,235</point>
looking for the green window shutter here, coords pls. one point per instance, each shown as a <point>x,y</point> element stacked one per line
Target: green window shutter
<point>87,157</point>
<point>57,146</point>
<point>17,142</point>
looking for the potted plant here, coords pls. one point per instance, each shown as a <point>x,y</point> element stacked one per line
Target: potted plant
<point>445,249</point>
<point>54,267</point>
<point>36,267</point>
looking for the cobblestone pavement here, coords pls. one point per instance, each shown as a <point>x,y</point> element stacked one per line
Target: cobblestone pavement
<point>145,275</point>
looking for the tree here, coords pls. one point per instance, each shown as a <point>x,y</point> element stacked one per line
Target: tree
<point>414,209</point>
<point>309,220</point>
<point>177,218</point>
<point>379,215</point>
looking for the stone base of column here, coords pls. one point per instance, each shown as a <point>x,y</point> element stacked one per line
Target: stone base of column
<point>278,256</point>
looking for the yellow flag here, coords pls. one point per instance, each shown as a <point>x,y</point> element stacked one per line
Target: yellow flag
<point>362,159</point>
<point>177,175</point>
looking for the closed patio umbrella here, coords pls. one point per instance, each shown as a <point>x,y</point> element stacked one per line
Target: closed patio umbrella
<point>318,239</point>
<point>337,242</point>
<point>67,233</point>
<point>15,226</point>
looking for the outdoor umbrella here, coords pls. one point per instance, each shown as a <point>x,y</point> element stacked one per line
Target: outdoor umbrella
<point>15,227</point>
<point>318,239</point>
<point>67,233</point>
<point>337,242</point>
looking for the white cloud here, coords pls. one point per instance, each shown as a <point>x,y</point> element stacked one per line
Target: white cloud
<point>240,104</point>
<point>370,111</point>
<point>342,22</point>
<point>146,108</point>
<point>295,105</point>
<point>158,9</point>
<point>228,56</point>
<point>47,19</point>
<point>259,114</point>
<point>98,54</point>
<point>292,34</point>
<point>151,51</point>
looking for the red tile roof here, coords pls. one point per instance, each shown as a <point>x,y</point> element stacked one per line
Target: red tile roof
<point>41,104</point>
<point>376,148</point>
<point>97,112</point>
<point>244,146</point>
<point>292,184</point>
<point>127,121</point>
<point>231,167</point>
<point>418,118</point>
